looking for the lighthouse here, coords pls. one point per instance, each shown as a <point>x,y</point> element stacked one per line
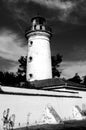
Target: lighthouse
<point>39,53</point>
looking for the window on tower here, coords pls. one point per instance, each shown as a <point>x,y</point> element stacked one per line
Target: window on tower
<point>40,27</point>
<point>30,75</point>
<point>30,58</point>
<point>30,43</point>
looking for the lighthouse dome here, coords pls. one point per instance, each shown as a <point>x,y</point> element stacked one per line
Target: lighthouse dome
<point>38,24</point>
<point>38,20</point>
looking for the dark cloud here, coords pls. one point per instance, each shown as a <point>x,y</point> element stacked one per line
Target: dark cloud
<point>67,19</point>
<point>72,11</point>
<point>70,43</point>
<point>7,65</point>
<point>5,17</point>
<point>78,14</point>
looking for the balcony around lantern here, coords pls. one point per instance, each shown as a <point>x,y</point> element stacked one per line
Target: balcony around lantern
<point>40,28</point>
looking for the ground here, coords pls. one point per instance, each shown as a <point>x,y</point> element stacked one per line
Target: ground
<point>69,125</point>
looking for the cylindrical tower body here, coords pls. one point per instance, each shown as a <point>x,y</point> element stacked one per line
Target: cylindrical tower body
<point>39,54</point>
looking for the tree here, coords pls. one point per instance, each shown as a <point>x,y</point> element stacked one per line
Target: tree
<point>56,60</point>
<point>7,79</point>
<point>19,79</point>
<point>21,73</point>
<point>76,78</point>
<point>84,80</point>
<point>1,77</point>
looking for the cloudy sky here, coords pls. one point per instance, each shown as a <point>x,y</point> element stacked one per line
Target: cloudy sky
<point>67,19</point>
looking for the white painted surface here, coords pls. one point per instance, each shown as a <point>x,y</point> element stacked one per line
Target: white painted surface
<point>40,66</point>
<point>21,106</point>
<point>35,91</point>
<point>76,113</point>
<point>48,117</point>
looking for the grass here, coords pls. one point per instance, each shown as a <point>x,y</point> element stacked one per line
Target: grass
<point>68,125</point>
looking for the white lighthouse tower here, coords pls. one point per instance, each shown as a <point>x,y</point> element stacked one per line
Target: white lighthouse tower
<point>39,53</point>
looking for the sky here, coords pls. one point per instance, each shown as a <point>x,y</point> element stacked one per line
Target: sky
<point>67,18</point>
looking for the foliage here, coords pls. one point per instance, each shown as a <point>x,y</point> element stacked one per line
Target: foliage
<point>76,78</point>
<point>21,73</point>
<point>56,60</point>
<point>7,79</point>
<point>19,79</point>
<point>11,79</point>
<point>84,80</point>
<point>8,120</point>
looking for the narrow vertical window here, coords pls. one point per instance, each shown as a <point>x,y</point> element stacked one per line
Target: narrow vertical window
<point>30,58</point>
<point>30,75</point>
<point>30,43</point>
